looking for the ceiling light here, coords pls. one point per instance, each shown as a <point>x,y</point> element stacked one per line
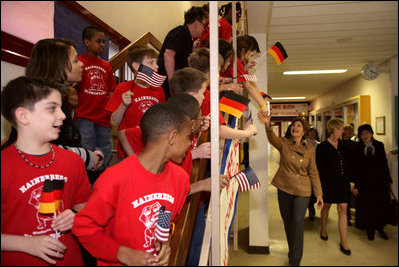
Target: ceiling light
<point>289,98</point>
<point>313,72</point>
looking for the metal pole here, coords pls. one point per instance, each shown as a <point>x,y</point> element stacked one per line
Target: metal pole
<point>214,84</point>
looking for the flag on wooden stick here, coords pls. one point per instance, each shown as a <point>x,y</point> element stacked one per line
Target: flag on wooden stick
<point>233,104</point>
<point>247,179</point>
<point>150,76</point>
<point>162,227</point>
<point>278,52</point>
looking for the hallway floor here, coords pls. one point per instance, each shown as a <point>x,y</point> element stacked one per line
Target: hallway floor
<point>316,251</point>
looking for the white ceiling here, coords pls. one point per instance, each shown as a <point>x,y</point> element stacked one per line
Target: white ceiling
<point>324,35</point>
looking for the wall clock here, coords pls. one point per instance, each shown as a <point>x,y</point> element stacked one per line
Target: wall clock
<point>371,71</point>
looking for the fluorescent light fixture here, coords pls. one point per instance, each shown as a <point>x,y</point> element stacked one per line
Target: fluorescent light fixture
<point>288,98</point>
<point>313,72</point>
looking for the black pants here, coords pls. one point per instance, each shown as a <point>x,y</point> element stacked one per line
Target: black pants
<point>293,211</point>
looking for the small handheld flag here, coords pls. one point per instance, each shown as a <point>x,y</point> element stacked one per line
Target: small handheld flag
<point>51,196</point>
<point>233,104</point>
<point>246,77</point>
<point>162,227</point>
<point>247,180</point>
<point>264,95</point>
<point>47,200</point>
<point>278,52</point>
<point>150,76</point>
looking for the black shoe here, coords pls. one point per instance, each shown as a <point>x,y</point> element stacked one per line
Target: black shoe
<point>382,234</point>
<point>370,234</point>
<point>345,251</point>
<point>325,238</point>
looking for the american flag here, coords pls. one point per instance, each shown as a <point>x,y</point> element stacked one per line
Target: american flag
<point>162,227</point>
<point>248,77</point>
<point>150,76</point>
<point>247,179</point>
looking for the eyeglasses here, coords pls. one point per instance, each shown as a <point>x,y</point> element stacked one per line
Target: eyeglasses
<point>203,23</point>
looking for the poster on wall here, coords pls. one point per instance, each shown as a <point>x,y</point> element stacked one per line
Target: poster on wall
<point>288,109</point>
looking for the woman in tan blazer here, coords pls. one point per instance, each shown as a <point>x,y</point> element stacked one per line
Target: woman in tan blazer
<point>295,179</point>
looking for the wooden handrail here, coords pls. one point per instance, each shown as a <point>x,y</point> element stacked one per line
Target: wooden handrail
<point>119,60</point>
<point>181,239</point>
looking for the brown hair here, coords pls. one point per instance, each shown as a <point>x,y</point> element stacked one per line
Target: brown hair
<point>50,59</point>
<point>137,53</point>
<point>199,59</point>
<point>304,125</point>
<point>187,80</point>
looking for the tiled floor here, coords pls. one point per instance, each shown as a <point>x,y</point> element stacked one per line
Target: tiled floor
<point>316,251</point>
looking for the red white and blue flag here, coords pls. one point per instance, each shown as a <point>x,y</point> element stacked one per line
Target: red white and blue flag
<point>247,179</point>
<point>162,227</point>
<point>150,76</point>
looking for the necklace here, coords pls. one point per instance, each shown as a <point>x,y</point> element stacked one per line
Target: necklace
<point>32,164</point>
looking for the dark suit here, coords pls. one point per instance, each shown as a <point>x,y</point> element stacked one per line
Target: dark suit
<point>372,179</point>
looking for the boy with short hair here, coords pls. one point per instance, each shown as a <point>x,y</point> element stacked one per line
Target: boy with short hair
<point>29,237</point>
<point>132,99</point>
<point>93,94</point>
<point>117,225</point>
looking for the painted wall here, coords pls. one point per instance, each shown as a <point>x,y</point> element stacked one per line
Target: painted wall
<point>8,72</point>
<point>381,91</point>
<point>28,20</point>
<point>157,17</point>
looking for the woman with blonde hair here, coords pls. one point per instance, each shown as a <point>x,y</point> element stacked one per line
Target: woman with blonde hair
<point>334,180</point>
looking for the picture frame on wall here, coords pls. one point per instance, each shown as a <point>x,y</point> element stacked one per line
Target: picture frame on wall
<point>380,125</point>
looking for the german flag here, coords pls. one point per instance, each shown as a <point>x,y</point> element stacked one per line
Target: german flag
<point>233,104</point>
<point>51,196</point>
<point>278,52</point>
<point>264,95</point>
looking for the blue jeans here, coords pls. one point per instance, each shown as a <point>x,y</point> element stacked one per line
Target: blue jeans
<point>95,137</point>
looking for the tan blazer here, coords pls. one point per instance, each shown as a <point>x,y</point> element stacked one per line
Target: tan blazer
<point>297,174</point>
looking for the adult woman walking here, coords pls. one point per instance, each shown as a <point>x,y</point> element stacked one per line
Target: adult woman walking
<point>296,177</point>
<point>335,182</point>
<point>372,182</point>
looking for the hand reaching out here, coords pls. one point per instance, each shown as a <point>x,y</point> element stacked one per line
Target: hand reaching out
<point>251,130</point>
<point>264,118</point>
<point>202,152</point>
<point>235,87</point>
